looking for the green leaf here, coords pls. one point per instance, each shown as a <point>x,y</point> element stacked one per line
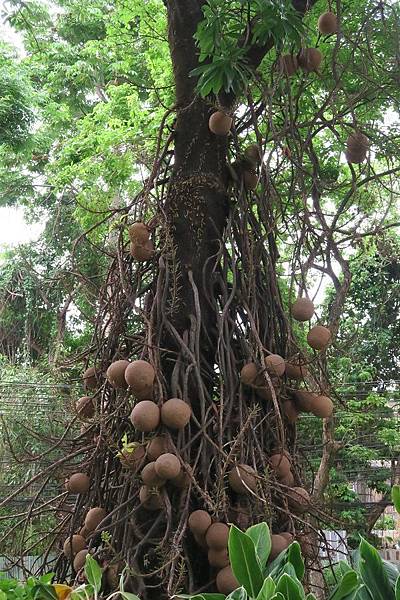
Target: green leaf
<point>93,572</point>
<point>373,573</point>
<point>244,563</point>
<point>239,594</point>
<point>201,596</point>
<point>41,591</point>
<point>278,596</point>
<point>129,596</point>
<point>3,596</point>
<point>348,584</point>
<point>396,497</point>
<point>268,589</point>
<point>261,537</point>
<point>290,588</point>
<point>311,596</point>
<point>398,588</point>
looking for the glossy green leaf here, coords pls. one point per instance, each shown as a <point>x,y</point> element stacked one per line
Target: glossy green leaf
<point>396,497</point>
<point>397,589</point>
<point>268,589</point>
<point>261,537</point>
<point>43,592</point>
<point>239,594</point>
<point>129,596</point>
<point>93,572</point>
<point>347,585</point>
<point>374,574</point>
<point>289,588</point>
<point>244,563</point>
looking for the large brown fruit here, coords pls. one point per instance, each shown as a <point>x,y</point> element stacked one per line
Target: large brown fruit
<point>303,400</point>
<point>90,377</point>
<point>278,545</point>
<point>142,252</point>
<point>249,373</point>
<point>217,536</point>
<point>85,407</point>
<point>150,498</point>
<point>201,541</point>
<point>288,64</point>
<point>302,309</point>
<point>226,581</point>
<point>175,413</point>
<point>322,406</point>
<point>80,559</point>
<point>357,147</point>
<point>290,411</point>
<point>78,483</point>
<point>280,464</point>
<point>116,374</point>
<point>250,179</point>
<point>220,123</point>
<point>73,545</point>
<point>328,23</point>
<point>288,480</point>
<point>167,466</point>
<point>139,233</point>
<point>145,416</point>
<point>182,481</point>
<point>275,365</point>
<point>199,521</point>
<point>94,517</point>
<point>319,337</point>
<point>252,154</point>
<point>289,537</point>
<point>309,59</point>
<point>299,499</point>
<point>139,375</point>
<point>157,446</point>
<point>133,460</point>
<point>113,573</point>
<point>150,477</point>
<point>243,477</point>
<point>295,371</point>
<point>218,558</point>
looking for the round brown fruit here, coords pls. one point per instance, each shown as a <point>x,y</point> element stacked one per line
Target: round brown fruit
<point>250,179</point>
<point>248,374</point>
<point>175,413</point>
<point>150,476</point>
<point>278,545</point>
<point>217,536</point>
<point>150,498</point>
<point>327,23</point>
<point>357,147</point>
<point>116,374</point>
<point>220,123</point>
<point>226,581</point>
<point>293,371</point>
<point>289,537</point>
<point>319,337</point>
<point>288,480</point>
<point>145,416</point>
<point>78,483</point>
<point>139,375</point>
<point>288,64</point>
<point>303,400</point>
<point>218,558</point>
<point>290,411</point>
<point>84,532</point>
<point>90,379</point>
<point>299,499</point>
<point>85,407</point>
<point>275,364</point>
<point>157,446</point>
<point>302,309</point>
<point>142,252</point>
<point>167,466</point>
<point>133,460</point>
<point>252,154</point>
<point>184,478</point>
<point>80,559</point>
<point>243,477</point>
<point>73,545</point>
<point>113,573</point>
<point>310,59</point>
<point>280,464</point>
<point>139,233</point>
<point>199,521</point>
<point>94,517</point>
<point>322,406</point>
<point>200,541</point>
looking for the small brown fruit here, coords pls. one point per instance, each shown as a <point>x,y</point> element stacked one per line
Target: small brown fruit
<point>139,233</point>
<point>113,573</point>
<point>226,581</point>
<point>90,379</point>
<point>322,406</point>
<point>250,179</point>
<point>220,123</point>
<point>295,371</point>
<point>116,374</point>
<point>302,309</point>
<point>85,407</point>
<point>278,545</point>
<point>319,337</point>
<point>241,478</point>
<point>280,464</point>
<point>252,154</point>
<point>184,478</point>
<point>78,483</point>
<point>303,400</point>
<point>167,466</point>
<point>84,532</point>
<point>150,498</point>
<point>248,374</point>
<point>290,411</point>
<point>327,23</point>
<point>218,558</point>
<point>139,375</point>
<point>217,536</point>
<point>142,252</point>
<point>275,365</point>
<point>80,559</point>
<point>310,59</point>
<point>288,480</point>
<point>288,64</point>
<point>199,521</point>
<point>157,446</point>
<point>299,499</point>
<point>175,413</point>
<point>357,147</point>
<point>200,541</point>
<point>289,537</point>
<point>133,460</point>
<point>145,416</point>
<point>150,476</point>
<point>73,545</point>
<point>94,517</point>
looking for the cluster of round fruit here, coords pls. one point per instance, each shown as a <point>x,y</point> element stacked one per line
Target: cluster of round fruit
<point>76,546</point>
